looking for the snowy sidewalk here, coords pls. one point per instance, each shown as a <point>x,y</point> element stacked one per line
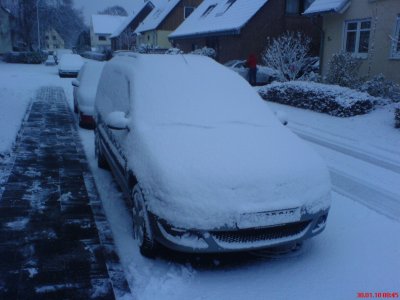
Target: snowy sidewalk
<point>54,238</point>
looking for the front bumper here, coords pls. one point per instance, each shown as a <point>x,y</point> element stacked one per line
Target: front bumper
<point>234,240</point>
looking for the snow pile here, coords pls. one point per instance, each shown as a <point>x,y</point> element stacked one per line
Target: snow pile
<point>205,51</point>
<point>174,51</point>
<point>331,99</point>
<point>206,149</point>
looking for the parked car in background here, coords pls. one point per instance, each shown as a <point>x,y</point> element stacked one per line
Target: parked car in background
<point>70,65</point>
<point>59,53</point>
<point>50,61</point>
<point>84,92</point>
<point>204,163</point>
<point>265,75</point>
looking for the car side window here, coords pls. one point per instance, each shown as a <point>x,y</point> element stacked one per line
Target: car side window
<point>120,93</point>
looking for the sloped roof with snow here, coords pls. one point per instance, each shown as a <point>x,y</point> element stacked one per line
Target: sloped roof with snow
<point>327,6</point>
<point>5,9</point>
<point>214,16</point>
<point>158,14</point>
<point>106,24</point>
<point>131,18</point>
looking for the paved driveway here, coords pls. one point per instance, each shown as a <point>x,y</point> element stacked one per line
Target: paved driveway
<point>55,242</point>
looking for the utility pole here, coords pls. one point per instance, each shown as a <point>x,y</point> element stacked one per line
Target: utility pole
<point>38,26</point>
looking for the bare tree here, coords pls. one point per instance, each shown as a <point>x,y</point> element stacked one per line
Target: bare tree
<point>128,39</point>
<point>115,10</point>
<point>58,14</point>
<point>288,54</point>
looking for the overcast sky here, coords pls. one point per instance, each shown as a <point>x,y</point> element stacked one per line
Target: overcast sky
<point>91,7</point>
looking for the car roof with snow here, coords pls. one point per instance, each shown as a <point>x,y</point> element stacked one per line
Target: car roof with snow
<point>91,74</point>
<point>190,89</point>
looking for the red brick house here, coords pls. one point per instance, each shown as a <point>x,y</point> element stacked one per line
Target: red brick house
<point>236,28</point>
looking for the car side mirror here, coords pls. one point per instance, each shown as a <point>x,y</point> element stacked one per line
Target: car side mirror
<point>282,117</point>
<point>75,83</point>
<point>117,120</point>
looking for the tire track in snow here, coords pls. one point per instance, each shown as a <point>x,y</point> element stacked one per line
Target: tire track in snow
<point>377,199</point>
<point>355,188</point>
<point>356,153</point>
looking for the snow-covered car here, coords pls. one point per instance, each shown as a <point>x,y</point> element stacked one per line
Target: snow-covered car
<point>205,164</point>
<point>84,92</point>
<point>264,74</point>
<point>60,52</point>
<point>50,61</point>
<point>70,65</point>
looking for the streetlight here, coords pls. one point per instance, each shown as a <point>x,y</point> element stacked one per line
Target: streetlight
<point>38,26</point>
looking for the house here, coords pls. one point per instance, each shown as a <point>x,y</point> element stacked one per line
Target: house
<point>6,40</point>
<point>101,29</point>
<point>237,28</point>
<point>165,18</point>
<point>53,40</point>
<point>370,30</point>
<point>124,38</point>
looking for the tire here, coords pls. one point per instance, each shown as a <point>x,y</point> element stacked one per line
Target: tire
<point>75,107</point>
<point>101,160</point>
<point>80,123</point>
<point>141,225</point>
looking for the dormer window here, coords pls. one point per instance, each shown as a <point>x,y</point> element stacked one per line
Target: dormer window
<point>208,10</point>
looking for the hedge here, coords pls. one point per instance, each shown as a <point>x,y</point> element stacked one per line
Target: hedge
<point>330,99</point>
<point>25,57</point>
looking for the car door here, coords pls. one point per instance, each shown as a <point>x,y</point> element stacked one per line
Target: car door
<point>119,98</point>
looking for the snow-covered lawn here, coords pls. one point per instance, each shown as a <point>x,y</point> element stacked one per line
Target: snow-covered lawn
<point>357,253</point>
<point>18,85</point>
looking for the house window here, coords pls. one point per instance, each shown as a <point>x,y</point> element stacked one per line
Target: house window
<point>102,38</point>
<point>188,11</point>
<point>357,35</point>
<point>208,10</point>
<point>54,38</point>
<point>297,7</point>
<point>396,40</point>
<point>47,37</point>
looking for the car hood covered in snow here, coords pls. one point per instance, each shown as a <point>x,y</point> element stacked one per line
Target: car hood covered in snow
<point>208,177</point>
<point>206,149</point>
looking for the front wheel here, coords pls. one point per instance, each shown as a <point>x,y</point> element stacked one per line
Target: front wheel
<point>141,225</point>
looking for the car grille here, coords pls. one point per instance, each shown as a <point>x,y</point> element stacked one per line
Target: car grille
<point>260,234</point>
